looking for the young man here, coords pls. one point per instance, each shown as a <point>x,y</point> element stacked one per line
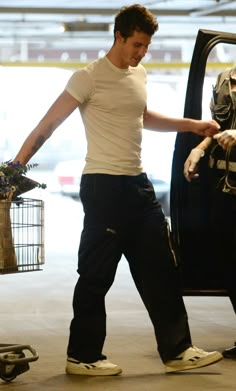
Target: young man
<point>122,215</point>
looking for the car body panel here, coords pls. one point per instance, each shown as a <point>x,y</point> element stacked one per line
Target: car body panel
<point>68,176</point>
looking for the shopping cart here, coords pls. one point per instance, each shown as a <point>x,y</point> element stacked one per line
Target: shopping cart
<point>21,250</point>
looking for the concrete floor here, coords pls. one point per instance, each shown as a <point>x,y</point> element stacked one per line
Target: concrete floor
<point>36,310</point>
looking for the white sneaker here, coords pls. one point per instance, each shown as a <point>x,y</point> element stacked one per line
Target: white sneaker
<point>98,368</point>
<point>192,358</point>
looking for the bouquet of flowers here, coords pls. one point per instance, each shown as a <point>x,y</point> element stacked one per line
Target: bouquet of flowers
<point>13,182</point>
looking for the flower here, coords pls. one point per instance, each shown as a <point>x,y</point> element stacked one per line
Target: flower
<point>13,180</point>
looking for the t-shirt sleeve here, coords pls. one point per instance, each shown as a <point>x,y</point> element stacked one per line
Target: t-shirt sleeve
<point>80,85</point>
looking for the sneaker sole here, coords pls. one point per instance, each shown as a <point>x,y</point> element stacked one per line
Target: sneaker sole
<point>93,372</point>
<point>203,362</point>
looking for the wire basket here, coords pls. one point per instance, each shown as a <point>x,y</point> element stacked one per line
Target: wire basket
<point>21,235</point>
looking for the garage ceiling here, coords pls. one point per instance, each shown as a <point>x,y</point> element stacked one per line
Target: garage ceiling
<point>64,27</point>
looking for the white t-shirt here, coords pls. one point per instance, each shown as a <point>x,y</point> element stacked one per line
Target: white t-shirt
<point>112,105</point>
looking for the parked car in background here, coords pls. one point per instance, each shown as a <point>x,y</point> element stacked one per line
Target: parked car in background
<point>68,175</point>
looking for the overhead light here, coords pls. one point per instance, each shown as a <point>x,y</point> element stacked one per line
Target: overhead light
<point>85,26</point>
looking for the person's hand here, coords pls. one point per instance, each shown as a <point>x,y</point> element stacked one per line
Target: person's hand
<point>227,138</point>
<point>191,163</point>
<point>206,128</point>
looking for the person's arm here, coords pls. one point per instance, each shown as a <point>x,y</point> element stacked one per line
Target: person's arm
<point>193,159</point>
<point>159,122</point>
<point>64,105</point>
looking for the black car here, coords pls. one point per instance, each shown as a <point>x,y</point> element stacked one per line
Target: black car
<point>201,273</point>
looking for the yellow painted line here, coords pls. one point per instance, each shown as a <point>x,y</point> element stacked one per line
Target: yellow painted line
<point>154,65</point>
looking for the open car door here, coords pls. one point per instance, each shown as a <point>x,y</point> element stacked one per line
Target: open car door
<point>201,269</point>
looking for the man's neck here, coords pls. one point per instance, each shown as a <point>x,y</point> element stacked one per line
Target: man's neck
<point>115,58</point>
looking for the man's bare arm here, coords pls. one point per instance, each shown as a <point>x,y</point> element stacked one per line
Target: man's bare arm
<point>159,122</point>
<point>64,105</point>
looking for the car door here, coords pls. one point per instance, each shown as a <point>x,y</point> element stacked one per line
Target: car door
<point>188,202</point>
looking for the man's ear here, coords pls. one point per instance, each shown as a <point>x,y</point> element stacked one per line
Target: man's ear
<point>118,36</point>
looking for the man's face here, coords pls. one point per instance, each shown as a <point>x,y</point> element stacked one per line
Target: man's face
<point>134,48</point>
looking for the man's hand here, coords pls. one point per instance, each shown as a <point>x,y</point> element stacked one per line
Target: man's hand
<point>206,128</point>
<point>191,163</point>
<point>227,138</point>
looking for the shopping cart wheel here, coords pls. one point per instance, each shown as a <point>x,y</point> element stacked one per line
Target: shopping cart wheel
<point>8,372</point>
<point>13,360</point>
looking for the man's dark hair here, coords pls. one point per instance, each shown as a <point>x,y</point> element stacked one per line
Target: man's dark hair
<point>135,18</point>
